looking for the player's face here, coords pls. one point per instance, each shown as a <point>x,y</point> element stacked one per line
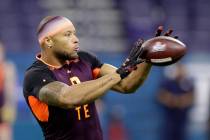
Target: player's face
<point>66,43</point>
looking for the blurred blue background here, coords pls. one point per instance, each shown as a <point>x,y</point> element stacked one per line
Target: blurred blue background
<point>107,28</point>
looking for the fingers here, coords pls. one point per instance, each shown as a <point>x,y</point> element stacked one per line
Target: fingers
<point>159,31</point>
<point>176,37</point>
<point>139,42</point>
<point>168,33</point>
<point>136,49</point>
<point>133,50</point>
<point>138,61</point>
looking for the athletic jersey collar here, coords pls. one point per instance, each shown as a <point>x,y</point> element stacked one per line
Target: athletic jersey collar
<point>38,57</point>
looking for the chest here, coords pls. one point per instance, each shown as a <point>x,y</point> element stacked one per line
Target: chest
<point>180,86</point>
<point>74,73</point>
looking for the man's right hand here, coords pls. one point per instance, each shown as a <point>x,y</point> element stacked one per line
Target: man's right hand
<point>137,54</point>
<point>132,60</point>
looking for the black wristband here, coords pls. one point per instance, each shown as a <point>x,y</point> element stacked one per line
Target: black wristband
<point>122,72</point>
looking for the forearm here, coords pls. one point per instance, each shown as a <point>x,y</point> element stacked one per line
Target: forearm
<point>88,91</point>
<point>185,100</point>
<point>134,79</point>
<point>62,95</point>
<point>166,98</point>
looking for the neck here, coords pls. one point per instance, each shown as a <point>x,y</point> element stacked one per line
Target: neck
<point>51,60</point>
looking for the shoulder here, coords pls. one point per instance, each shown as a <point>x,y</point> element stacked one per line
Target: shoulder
<point>37,66</point>
<point>90,58</point>
<point>85,54</point>
<point>36,71</point>
<point>36,76</point>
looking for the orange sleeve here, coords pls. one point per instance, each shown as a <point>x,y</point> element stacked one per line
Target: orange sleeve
<point>96,72</point>
<point>39,109</point>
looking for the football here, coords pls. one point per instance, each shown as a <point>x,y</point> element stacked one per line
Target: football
<point>163,50</point>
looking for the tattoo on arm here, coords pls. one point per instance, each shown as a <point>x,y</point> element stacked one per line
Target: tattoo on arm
<point>64,96</point>
<point>51,93</point>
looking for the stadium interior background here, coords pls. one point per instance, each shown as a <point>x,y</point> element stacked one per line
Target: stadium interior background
<point>107,28</point>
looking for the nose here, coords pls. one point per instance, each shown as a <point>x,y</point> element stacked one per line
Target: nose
<point>76,39</point>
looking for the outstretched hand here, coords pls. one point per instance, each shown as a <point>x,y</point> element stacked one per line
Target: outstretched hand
<point>137,53</point>
<point>132,60</point>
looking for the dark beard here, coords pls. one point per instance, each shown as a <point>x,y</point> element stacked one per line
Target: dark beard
<point>63,56</point>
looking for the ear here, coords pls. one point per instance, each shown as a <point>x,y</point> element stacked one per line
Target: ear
<point>48,41</point>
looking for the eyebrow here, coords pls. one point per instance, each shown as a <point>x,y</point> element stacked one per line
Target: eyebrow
<point>74,31</point>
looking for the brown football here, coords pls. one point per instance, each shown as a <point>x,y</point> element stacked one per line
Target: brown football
<point>163,50</point>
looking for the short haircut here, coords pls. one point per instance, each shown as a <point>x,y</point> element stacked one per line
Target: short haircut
<point>51,25</point>
<point>44,22</point>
